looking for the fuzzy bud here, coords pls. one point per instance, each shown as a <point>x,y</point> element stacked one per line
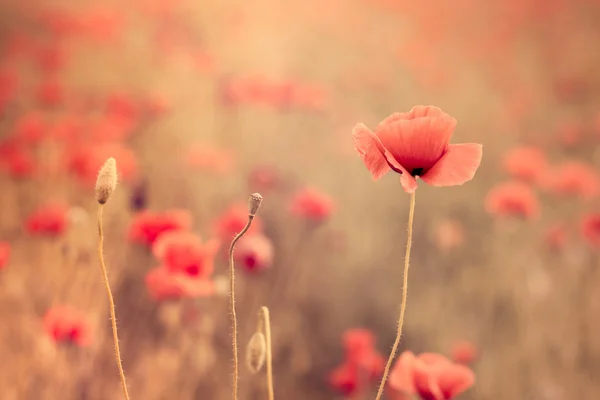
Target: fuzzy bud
<point>256,352</point>
<point>254,203</point>
<point>107,181</point>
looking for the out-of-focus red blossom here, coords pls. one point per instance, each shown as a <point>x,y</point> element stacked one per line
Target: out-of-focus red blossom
<point>164,285</point>
<point>428,376</point>
<point>209,158</point>
<point>312,205</point>
<point>65,324</point>
<point>4,254</point>
<point>67,127</point>
<point>590,229</point>
<point>85,161</point>
<point>254,253</point>
<point>449,234</point>
<point>158,105</point>
<point>570,133</point>
<point>51,58</point>
<point>109,129</point>
<point>264,178</point>
<point>51,92</point>
<point>9,84</point>
<point>556,237</point>
<point>362,365</point>
<point>576,179</point>
<point>464,352</point>
<point>526,163</point>
<point>123,107</point>
<point>50,220</point>
<point>30,128</point>
<point>417,144</point>
<point>17,161</point>
<point>512,199</point>
<point>184,252</point>
<point>147,226</point>
<point>233,220</point>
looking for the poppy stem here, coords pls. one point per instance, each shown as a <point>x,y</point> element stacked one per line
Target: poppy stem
<point>232,305</point>
<point>265,323</point>
<point>411,215</point>
<point>111,303</point>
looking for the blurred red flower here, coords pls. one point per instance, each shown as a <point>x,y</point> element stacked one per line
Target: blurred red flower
<point>311,204</point>
<point>254,253</point>
<point>210,159</point>
<point>576,179</point>
<point>362,365</point>
<point>85,161</point>
<point>526,163</point>
<point>264,178</point>
<point>449,234</point>
<point>417,144</point>
<point>147,225</point>
<point>464,352</point>
<point>4,254</point>
<point>184,252</point>
<point>50,92</point>
<point>512,199</point>
<point>233,220</point>
<point>50,219</point>
<point>429,376</point>
<point>30,128</point>
<point>164,285</point>
<point>590,229</point>
<point>17,161</point>
<point>65,324</point>
<point>556,237</point>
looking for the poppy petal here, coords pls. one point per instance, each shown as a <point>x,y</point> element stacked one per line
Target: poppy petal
<point>417,143</point>
<point>402,376</point>
<point>370,150</point>
<point>456,167</point>
<point>455,379</point>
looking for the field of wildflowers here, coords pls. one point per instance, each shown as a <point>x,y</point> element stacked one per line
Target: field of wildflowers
<point>412,187</point>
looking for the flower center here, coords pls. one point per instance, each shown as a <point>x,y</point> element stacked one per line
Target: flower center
<point>417,171</point>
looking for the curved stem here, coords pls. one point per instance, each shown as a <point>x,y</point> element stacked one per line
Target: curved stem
<point>388,365</point>
<point>232,305</point>
<point>111,303</point>
<point>265,322</point>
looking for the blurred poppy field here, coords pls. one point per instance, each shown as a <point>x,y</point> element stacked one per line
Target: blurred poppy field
<point>482,117</point>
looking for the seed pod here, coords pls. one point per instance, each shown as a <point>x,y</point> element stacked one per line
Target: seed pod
<point>254,203</point>
<point>256,352</point>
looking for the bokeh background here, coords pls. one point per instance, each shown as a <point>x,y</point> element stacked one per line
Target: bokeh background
<point>205,102</point>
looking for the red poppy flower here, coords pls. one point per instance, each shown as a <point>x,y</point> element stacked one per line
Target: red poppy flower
<point>575,179</point>
<point>254,253</point>
<point>464,352</point>
<point>65,324</point>
<point>590,229</point>
<point>147,226</point>
<point>527,163</point>
<point>362,365</point>
<point>164,285</point>
<point>30,128</point>
<point>122,106</point>
<point>50,219</point>
<point>50,92</point>
<point>184,252</point>
<point>264,178</point>
<point>429,376</point>
<point>4,254</point>
<point>312,204</point>
<point>233,220</point>
<point>512,199</point>
<point>417,144</point>
<point>17,162</point>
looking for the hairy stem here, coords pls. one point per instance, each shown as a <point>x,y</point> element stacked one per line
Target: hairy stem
<point>390,360</point>
<point>232,306</point>
<point>111,303</point>
<point>265,324</point>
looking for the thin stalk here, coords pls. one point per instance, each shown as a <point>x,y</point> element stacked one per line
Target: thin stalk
<point>111,303</point>
<point>265,324</point>
<point>411,215</point>
<point>232,306</point>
